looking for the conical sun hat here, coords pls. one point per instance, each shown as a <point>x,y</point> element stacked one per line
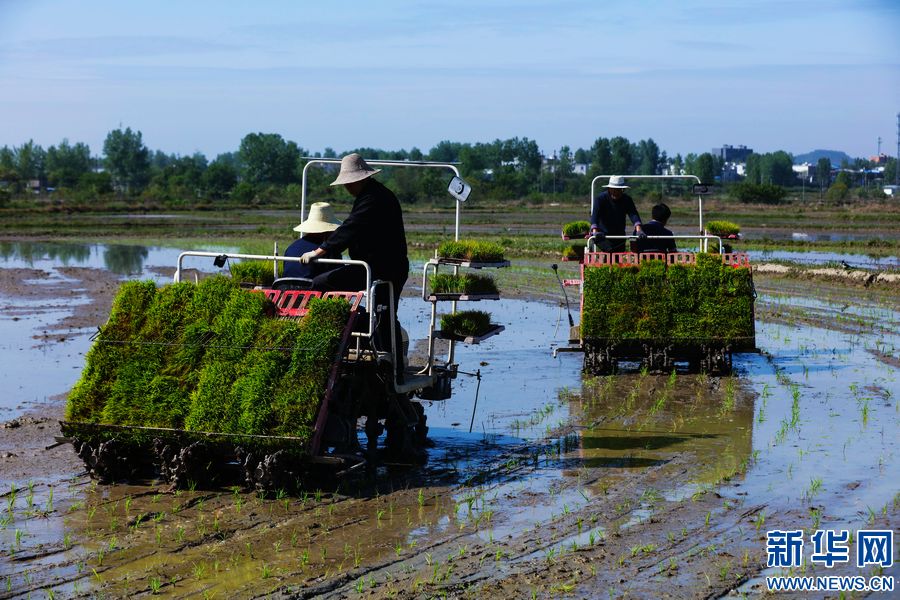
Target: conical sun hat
<point>353,168</point>
<point>616,182</point>
<point>321,219</point>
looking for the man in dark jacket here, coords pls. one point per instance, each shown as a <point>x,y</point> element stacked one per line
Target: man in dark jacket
<point>373,232</point>
<point>608,211</point>
<point>657,227</point>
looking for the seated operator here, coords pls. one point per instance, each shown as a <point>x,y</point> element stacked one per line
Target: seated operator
<point>657,227</point>
<point>608,211</point>
<point>317,228</point>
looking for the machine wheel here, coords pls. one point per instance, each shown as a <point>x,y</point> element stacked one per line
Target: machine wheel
<point>276,472</point>
<point>107,461</point>
<point>183,466</point>
<point>406,430</point>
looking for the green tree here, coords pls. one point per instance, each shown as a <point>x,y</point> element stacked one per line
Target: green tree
<point>838,191</point>
<point>781,169</point>
<point>127,159</point>
<point>890,171</point>
<point>266,158</point>
<point>763,193</point>
<point>704,168</point>
<point>621,157</point>
<point>67,163</point>
<point>601,158</point>
<point>9,175</point>
<point>218,179</point>
<point>844,179</point>
<point>30,160</point>
<point>823,172</point>
<point>649,157</point>
<point>445,151</point>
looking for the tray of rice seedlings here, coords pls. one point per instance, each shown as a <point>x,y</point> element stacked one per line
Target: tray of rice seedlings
<point>691,305</point>
<point>185,364</point>
<point>250,273</point>
<point>727,231</point>
<point>576,230</point>
<point>573,253</point>
<point>724,229</point>
<point>463,286</point>
<point>657,314</point>
<point>468,326</point>
<point>471,253</point>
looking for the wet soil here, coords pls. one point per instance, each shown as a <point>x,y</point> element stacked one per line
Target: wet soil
<point>637,485</point>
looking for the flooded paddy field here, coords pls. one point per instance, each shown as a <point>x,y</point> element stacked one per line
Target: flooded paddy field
<point>635,485</point>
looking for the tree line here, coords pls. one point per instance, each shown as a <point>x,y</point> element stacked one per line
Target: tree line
<point>266,168</point>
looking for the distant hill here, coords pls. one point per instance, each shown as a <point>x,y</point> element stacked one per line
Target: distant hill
<point>835,156</point>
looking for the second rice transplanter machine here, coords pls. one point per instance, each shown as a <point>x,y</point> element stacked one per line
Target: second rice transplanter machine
<point>694,308</point>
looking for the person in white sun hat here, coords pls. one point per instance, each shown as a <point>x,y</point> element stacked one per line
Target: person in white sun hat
<point>317,228</point>
<point>608,212</point>
<point>373,232</point>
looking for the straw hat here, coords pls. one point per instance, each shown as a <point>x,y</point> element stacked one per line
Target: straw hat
<point>353,168</point>
<point>616,182</point>
<point>321,219</point>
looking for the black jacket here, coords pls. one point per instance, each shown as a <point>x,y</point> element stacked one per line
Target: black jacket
<point>656,228</point>
<point>608,215</point>
<point>373,232</point>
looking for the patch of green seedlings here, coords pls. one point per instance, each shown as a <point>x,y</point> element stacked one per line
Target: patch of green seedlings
<point>574,252</point>
<point>256,272</point>
<point>710,301</point>
<point>795,406</point>
<point>466,323</point>
<point>225,365</point>
<point>576,229</point>
<point>463,283</point>
<point>723,228</point>
<point>471,250</point>
<point>728,398</point>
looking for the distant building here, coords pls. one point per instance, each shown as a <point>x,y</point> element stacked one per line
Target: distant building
<point>805,172</point>
<point>580,168</point>
<point>732,172</point>
<point>880,159</point>
<point>731,154</point>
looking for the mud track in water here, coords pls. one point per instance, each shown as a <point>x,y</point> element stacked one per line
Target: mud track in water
<point>639,485</point>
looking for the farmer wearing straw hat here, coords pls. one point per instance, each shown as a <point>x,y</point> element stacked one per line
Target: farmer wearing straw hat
<point>315,230</point>
<point>373,232</point>
<point>608,211</point>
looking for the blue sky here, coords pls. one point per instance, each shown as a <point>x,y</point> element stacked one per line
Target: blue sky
<point>395,74</point>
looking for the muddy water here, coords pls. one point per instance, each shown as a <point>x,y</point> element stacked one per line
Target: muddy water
<point>862,261</point>
<point>32,371</point>
<point>807,429</point>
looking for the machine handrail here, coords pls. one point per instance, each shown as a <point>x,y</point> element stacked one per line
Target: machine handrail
<point>381,163</point>
<point>626,177</point>
<point>275,257</point>
<point>591,245</point>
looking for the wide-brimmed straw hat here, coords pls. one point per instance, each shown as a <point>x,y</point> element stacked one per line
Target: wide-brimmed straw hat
<point>616,182</point>
<point>354,168</point>
<point>321,219</point>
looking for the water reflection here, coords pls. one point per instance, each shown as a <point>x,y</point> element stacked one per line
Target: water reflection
<point>639,421</point>
<point>125,260</point>
<point>32,252</point>
<point>120,259</point>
